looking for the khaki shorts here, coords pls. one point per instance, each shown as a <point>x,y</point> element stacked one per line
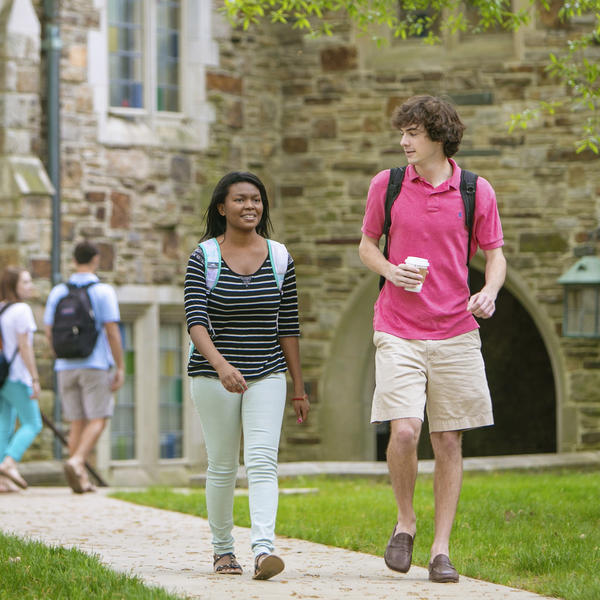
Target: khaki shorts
<point>447,376</point>
<point>85,394</point>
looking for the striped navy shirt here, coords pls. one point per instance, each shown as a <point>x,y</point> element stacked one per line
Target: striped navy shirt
<point>248,315</point>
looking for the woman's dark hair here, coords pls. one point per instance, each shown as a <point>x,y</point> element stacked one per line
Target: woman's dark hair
<point>8,283</point>
<point>84,252</point>
<point>438,117</point>
<point>215,222</point>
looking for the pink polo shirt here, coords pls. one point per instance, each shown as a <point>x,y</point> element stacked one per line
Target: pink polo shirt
<point>429,222</point>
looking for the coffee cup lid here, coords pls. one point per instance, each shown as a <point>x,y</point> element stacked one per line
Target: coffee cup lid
<point>417,261</point>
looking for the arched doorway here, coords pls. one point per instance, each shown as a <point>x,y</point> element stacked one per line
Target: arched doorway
<point>523,374</point>
<point>521,383</point>
<point>346,387</point>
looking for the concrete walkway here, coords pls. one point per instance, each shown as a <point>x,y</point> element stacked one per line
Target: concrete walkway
<point>173,550</point>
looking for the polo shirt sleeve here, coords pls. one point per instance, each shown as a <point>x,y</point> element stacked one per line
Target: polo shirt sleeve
<point>487,229</point>
<point>375,210</point>
<point>55,295</point>
<point>108,305</point>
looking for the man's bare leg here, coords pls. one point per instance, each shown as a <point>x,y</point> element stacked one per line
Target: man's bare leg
<point>402,465</point>
<point>82,439</point>
<point>75,429</point>
<point>447,482</point>
<point>88,437</point>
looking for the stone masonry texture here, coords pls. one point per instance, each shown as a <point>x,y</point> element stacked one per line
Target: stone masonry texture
<point>311,118</point>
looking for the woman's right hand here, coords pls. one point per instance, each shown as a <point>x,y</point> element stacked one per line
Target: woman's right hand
<point>231,379</point>
<point>36,389</point>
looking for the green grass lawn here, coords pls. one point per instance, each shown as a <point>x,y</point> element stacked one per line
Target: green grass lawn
<point>536,531</point>
<point>34,571</point>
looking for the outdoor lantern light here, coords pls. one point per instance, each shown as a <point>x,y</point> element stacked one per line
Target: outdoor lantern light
<point>581,304</point>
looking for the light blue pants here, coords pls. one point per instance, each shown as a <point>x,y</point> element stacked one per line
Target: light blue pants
<point>15,402</point>
<point>224,415</point>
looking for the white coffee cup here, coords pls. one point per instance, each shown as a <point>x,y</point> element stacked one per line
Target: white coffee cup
<point>422,264</point>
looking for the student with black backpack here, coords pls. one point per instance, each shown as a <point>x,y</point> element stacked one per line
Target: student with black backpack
<point>20,390</point>
<point>82,325</point>
<point>426,337</point>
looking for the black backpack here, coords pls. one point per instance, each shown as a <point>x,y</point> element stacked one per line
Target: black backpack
<point>468,185</point>
<point>4,362</point>
<point>74,332</point>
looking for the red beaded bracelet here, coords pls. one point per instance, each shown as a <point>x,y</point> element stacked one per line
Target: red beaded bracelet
<point>305,397</point>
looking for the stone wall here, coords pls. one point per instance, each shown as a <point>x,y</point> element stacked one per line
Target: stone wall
<point>311,118</point>
<point>337,95</point>
<point>24,186</point>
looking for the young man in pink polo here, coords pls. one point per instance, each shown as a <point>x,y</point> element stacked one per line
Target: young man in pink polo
<point>428,350</point>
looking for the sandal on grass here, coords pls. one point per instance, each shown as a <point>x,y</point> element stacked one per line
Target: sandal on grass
<point>267,566</point>
<point>231,567</point>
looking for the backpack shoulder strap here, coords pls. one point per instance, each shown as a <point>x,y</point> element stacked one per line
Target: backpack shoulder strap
<point>73,286</point>
<point>212,262</point>
<point>279,257</point>
<point>393,191</point>
<point>85,287</point>
<point>468,187</point>
<point>1,341</point>
<point>212,269</point>
<point>6,306</point>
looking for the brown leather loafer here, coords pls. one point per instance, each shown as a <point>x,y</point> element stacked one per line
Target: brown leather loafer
<point>398,554</point>
<point>441,570</point>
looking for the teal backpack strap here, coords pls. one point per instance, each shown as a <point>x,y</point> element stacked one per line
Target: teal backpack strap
<point>212,262</point>
<point>279,258</point>
<point>212,270</point>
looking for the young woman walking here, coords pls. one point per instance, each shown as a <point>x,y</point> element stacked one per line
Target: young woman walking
<point>242,315</point>
<point>18,395</point>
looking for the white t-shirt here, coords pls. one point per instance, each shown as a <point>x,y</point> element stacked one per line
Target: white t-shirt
<point>17,319</point>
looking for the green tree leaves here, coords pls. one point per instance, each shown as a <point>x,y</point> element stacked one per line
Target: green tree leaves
<point>577,67</point>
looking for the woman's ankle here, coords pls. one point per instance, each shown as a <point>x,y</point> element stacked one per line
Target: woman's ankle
<point>9,462</point>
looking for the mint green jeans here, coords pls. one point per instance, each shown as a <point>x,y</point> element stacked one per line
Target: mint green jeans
<point>258,413</point>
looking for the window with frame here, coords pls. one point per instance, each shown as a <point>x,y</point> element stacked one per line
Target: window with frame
<point>472,17</point>
<point>423,19</point>
<point>122,429</point>
<point>144,47</point>
<point>426,21</point>
<point>171,391</point>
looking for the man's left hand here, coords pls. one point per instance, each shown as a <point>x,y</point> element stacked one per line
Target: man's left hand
<point>118,380</point>
<point>482,305</point>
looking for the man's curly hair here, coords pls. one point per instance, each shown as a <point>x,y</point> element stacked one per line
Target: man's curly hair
<point>438,117</point>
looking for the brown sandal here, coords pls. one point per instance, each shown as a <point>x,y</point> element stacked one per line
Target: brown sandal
<point>12,473</point>
<point>232,567</point>
<point>267,566</point>
<point>73,478</point>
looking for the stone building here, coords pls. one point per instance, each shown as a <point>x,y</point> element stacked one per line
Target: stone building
<point>159,98</point>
